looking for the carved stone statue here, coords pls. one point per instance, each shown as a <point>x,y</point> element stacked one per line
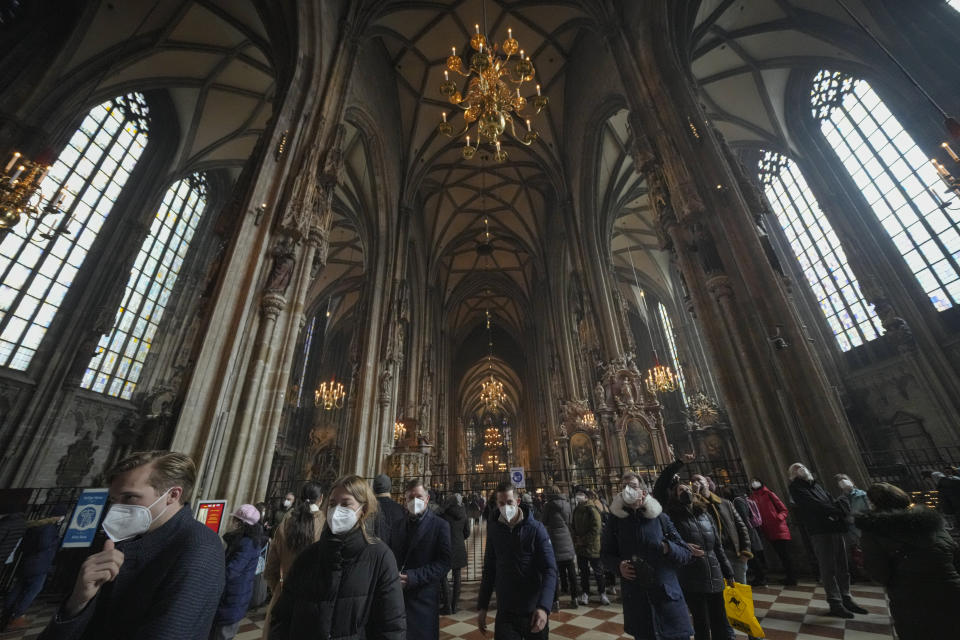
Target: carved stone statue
<point>600,394</point>
<point>282,270</point>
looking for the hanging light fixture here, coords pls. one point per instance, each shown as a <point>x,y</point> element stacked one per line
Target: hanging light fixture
<point>399,430</point>
<point>492,97</point>
<point>20,193</point>
<point>329,395</point>
<point>491,392</point>
<point>660,378</point>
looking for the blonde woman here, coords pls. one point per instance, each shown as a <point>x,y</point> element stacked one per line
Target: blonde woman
<point>346,585</point>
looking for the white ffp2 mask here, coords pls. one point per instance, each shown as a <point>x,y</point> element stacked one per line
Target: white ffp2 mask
<point>125,521</point>
<point>509,512</point>
<point>341,519</point>
<point>415,506</point>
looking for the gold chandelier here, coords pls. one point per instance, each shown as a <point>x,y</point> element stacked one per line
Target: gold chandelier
<point>660,378</point>
<point>329,395</point>
<point>491,390</point>
<point>399,430</point>
<point>20,192</point>
<point>490,101</point>
<point>492,438</point>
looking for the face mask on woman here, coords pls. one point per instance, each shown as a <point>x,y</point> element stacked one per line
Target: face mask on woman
<point>755,485</point>
<point>845,485</point>
<point>314,507</point>
<point>287,504</point>
<point>342,519</point>
<point>580,498</point>
<point>630,494</point>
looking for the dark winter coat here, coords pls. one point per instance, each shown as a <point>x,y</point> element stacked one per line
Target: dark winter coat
<point>241,568</point>
<point>12,528</point>
<point>168,588</point>
<point>340,587</point>
<point>909,552</point>
<point>706,573</point>
<point>587,526</point>
<point>39,547</point>
<point>733,531</point>
<point>556,518</point>
<point>631,534</point>
<point>456,517</point>
<point>773,513</point>
<point>519,564</point>
<point>422,548</point>
<point>816,509</point>
<point>389,513</point>
<point>743,510</point>
<point>949,490</point>
<point>661,488</point>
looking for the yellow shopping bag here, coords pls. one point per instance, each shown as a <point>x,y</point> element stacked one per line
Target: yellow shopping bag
<point>738,600</point>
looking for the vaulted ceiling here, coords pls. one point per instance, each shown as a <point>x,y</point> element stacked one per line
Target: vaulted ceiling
<point>214,56</point>
<point>744,52</point>
<point>517,198</point>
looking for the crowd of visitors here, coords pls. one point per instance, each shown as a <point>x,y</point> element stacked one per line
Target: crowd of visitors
<point>351,561</point>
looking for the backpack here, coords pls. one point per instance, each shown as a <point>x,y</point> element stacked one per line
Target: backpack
<point>755,519</point>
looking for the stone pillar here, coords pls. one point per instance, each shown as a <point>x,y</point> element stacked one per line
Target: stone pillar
<point>774,384</point>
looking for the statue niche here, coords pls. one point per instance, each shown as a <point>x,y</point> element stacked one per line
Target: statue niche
<point>582,454</point>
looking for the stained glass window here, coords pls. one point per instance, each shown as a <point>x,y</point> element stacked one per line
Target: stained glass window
<point>819,252</point>
<point>38,262</point>
<point>672,346</point>
<point>118,363</point>
<point>306,357</point>
<point>896,178</point>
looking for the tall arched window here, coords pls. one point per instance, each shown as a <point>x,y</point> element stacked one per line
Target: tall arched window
<point>672,346</point>
<point>895,177</point>
<point>819,252</point>
<point>118,363</point>
<point>38,263</point>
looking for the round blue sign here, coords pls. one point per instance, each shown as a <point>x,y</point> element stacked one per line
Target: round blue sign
<point>517,476</point>
<point>87,517</point>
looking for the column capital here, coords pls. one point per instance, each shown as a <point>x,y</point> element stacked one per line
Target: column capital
<point>720,287</point>
<point>272,304</point>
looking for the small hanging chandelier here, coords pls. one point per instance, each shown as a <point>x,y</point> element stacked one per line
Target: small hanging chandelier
<point>399,430</point>
<point>329,395</point>
<point>490,101</point>
<point>660,378</point>
<point>20,193</point>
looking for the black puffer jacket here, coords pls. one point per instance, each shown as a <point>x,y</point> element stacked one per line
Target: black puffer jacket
<point>556,518</point>
<point>909,552</point>
<point>456,516</point>
<point>706,573</point>
<point>341,587</point>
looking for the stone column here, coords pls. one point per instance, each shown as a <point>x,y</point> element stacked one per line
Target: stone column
<point>775,386</point>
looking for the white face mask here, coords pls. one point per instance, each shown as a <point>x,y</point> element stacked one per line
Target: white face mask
<point>416,506</point>
<point>124,521</point>
<point>342,519</point>
<point>314,507</point>
<point>755,485</point>
<point>581,498</point>
<point>630,494</point>
<point>287,504</point>
<point>845,485</point>
<point>509,512</point>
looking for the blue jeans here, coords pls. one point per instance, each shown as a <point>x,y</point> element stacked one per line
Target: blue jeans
<point>21,595</point>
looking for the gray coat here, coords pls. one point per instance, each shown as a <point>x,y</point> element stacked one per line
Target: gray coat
<point>556,518</point>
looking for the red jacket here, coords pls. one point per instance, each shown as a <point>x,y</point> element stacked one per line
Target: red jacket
<point>773,513</point>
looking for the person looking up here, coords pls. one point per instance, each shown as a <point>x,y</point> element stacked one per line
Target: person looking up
<point>773,523</point>
<point>705,577</point>
<point>160,572</point>
<point>642,545</point>
<point>518,564</point>
<point>346,584</point>
<point>421,544</point>
<point>826,522</point>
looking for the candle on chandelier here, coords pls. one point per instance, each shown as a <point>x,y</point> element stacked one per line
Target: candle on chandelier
<point>468,141</point>
<point>528,124</point>
<point>444,116</point>
<point>949,151</point>
<point>538,89</point>
<point>509,33</point>
<point>16,174</point>
<point>939,167</point>
<point>521,54</point>
<point>446,75</point>
<point>476,28</point>
<point>454,49</point>
<point>13,161</point>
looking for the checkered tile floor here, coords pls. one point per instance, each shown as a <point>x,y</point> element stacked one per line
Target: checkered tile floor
<point>786,613</point>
